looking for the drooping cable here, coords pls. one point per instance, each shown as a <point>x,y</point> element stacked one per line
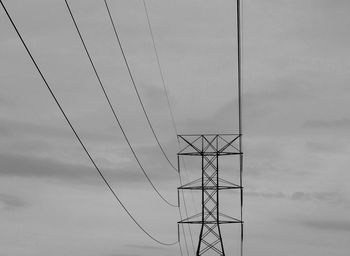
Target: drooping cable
<point>77,135</point>
<point>135,87</point>
<point>171,115</point>
<point>183,233</point>
<point>113,110</point>
<point>180,249</point>
<point>182,224</point>
<point>159,66</point>
<point>186,213</point>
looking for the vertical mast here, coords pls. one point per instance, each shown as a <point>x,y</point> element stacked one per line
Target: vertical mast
<point>239,66</point>
<point>239,76</point>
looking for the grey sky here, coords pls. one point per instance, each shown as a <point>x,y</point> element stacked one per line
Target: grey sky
<point>296,122</point>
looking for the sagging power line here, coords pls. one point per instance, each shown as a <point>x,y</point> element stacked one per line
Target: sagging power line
<point>77,135</point>
<point>136,89</point>
<point>113,109</point>
<point>210,178</point>
<point>171,112</point>
<point>117,36</point>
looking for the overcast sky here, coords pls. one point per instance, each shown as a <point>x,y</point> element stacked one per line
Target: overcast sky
<point>296,123</point>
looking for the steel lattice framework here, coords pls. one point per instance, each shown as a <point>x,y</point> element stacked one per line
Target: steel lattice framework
<point>210,147</point>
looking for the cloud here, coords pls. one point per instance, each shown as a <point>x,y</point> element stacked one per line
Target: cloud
<point>143,247</point>
<point>11,127</point>
<point>266,195</point>
<point>34,167</point>
<point>329,146</point>
<point>328,225</point>
<point>263,109</point>
<point>155,97</point>
<point>29,167</point>
<point>8,201</point>
<point>332,198</point>
<point>328,124</point>
<point>5,102</point>
<point>292,73</point>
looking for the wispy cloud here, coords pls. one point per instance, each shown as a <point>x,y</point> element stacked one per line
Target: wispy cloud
<point>328,124</point>
<point>266,194</point>
<point>29,167</point>
<point>13,127</point>
<point>333,198</point>
<point>143,247</point>
<point>328,225</point>
<point>8,201</point>
<point>328,146</point>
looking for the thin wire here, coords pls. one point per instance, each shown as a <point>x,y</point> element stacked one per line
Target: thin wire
<point>181,253</point>
<point>159,67</point>
<point>113,110</point>
<point>135,87</point>
<point>183,232</point>
<point>186,213</point>
<point>76,134</point>
<point>170,111</point>
<point>184,201</point>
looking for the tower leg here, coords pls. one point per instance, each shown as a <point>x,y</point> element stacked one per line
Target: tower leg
<point>210,240</point>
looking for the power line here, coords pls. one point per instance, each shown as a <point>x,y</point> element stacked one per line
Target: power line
<point>143,108</point>
<point>135,87</point>
<point>77,135</point>
<point>181,253</point>
<point>184,234</point>
<point>171,114</point>
<point>186,213</point>
<point>112,108</point>
<point>138,95</point>
<point>159,67</point>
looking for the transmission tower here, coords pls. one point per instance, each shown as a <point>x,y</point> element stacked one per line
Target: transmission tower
<point>210,148</point>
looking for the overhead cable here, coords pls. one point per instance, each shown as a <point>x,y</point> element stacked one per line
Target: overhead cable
<point>172,118</point>
<point>160,67</point>
<point>113,110</point>
<point>136,89</point>
<point>77,135</point>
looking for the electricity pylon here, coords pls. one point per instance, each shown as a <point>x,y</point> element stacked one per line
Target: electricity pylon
<point>210,148</point>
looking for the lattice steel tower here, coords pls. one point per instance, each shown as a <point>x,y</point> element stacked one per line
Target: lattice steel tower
<point>210,147</point>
